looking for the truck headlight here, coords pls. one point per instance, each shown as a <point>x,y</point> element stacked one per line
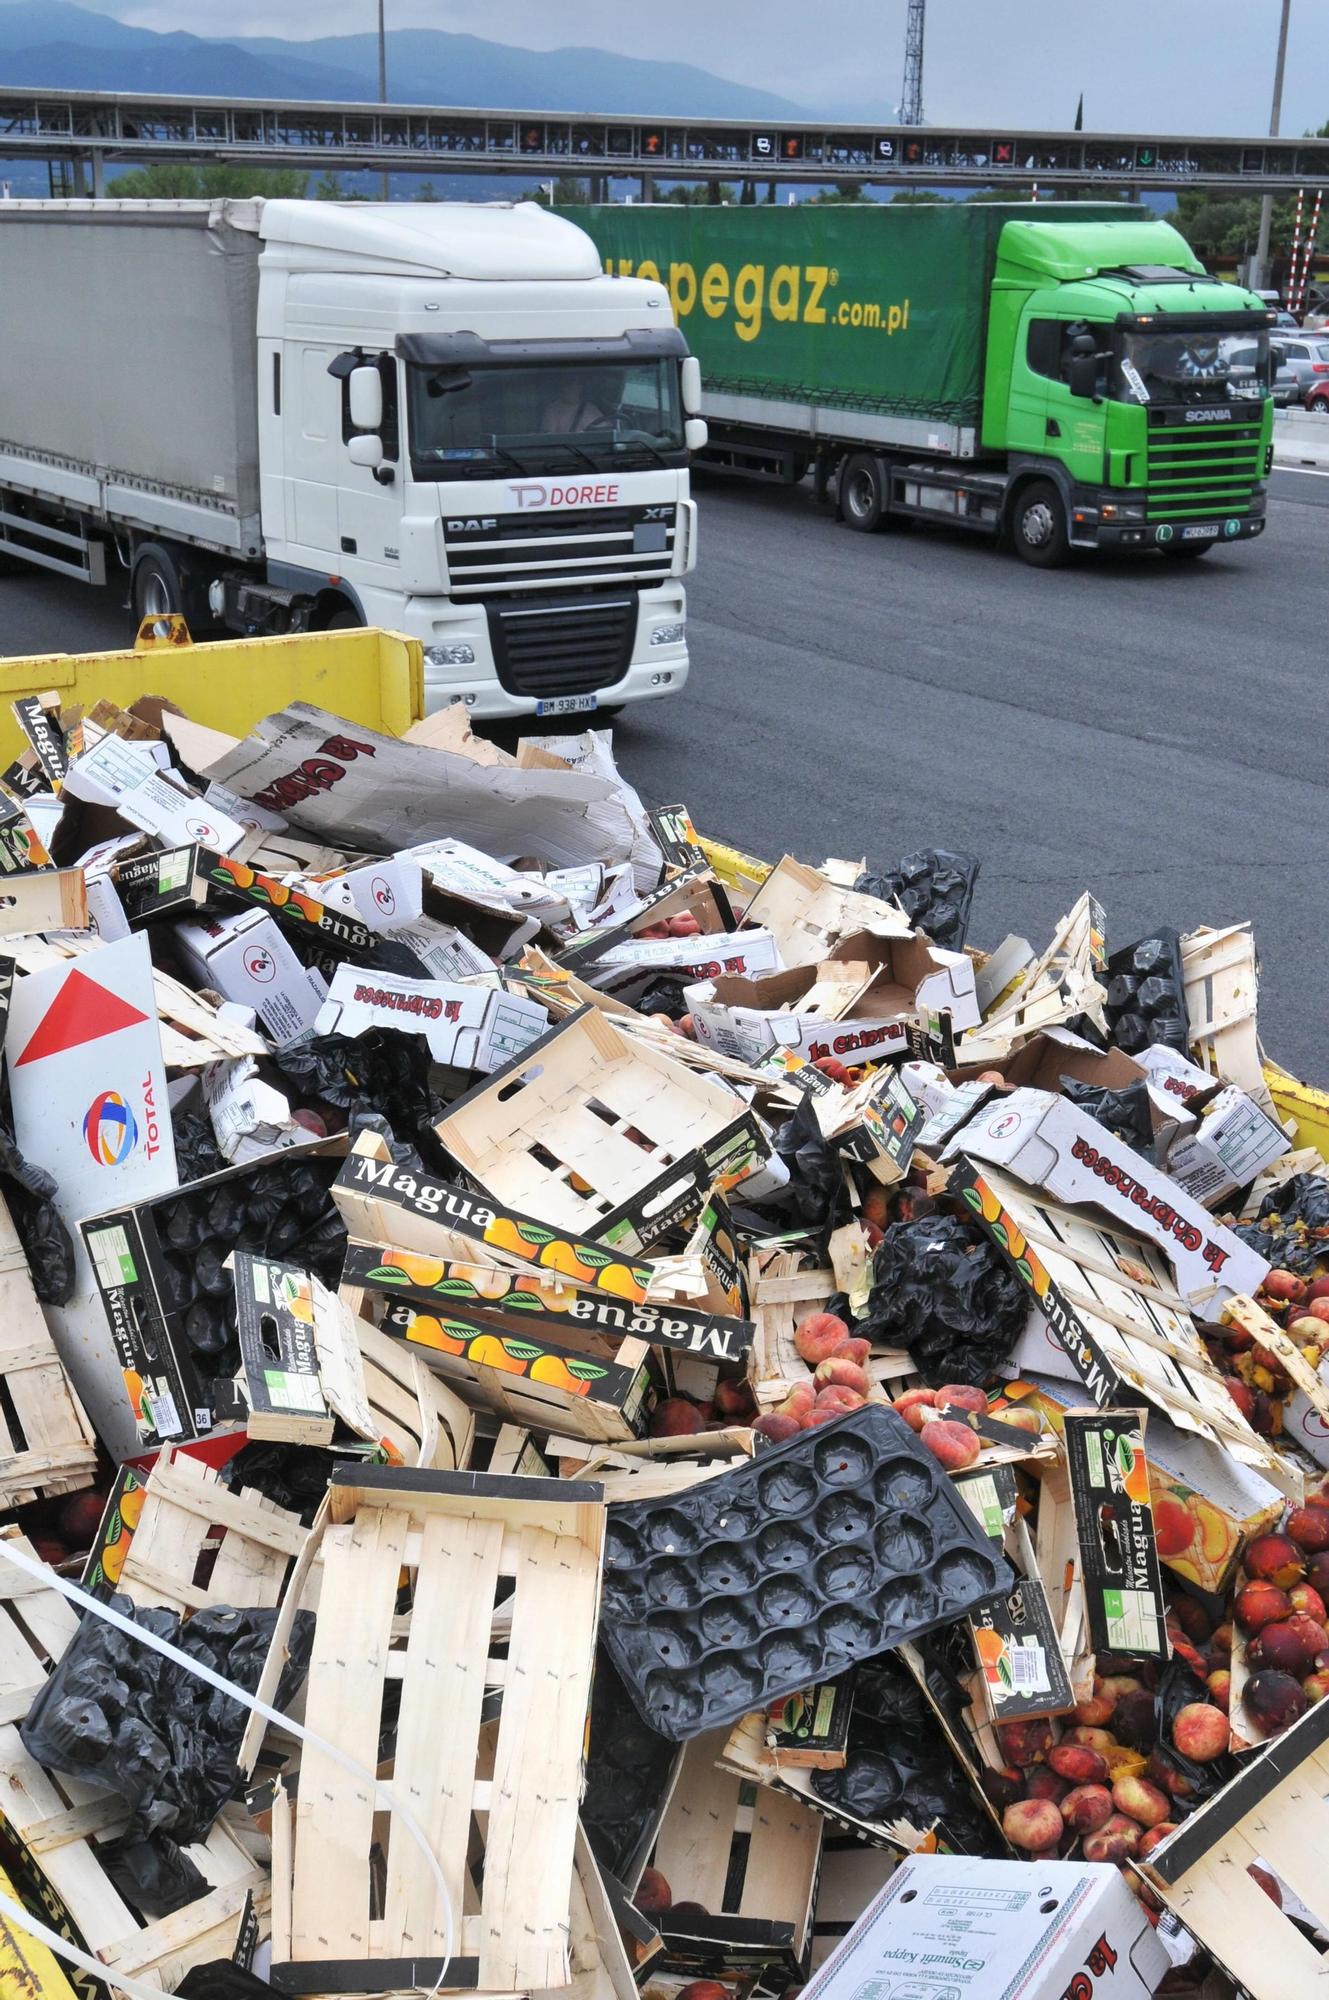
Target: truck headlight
<point>1124,510</point>
<point>668,635</point>
<point>450,656</point>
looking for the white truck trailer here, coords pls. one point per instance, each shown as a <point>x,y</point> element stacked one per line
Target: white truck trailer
<point>279,416</point>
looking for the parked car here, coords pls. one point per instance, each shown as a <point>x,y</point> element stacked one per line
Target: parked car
<point>1303,362</point>
<point>1317,398</point>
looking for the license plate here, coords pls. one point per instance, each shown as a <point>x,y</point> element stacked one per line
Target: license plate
<point>1205,531</point>
<point>576,704</point>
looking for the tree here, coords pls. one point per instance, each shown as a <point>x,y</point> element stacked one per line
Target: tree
<point>327,187</point>
<point>570,193</point>
<point>1223,225</point>
<point>915,198</point>
<point>698,193</point>
<point>179,182</point>
<point>840,191</point>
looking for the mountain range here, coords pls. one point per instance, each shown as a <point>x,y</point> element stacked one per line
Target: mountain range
<point>54,42</point>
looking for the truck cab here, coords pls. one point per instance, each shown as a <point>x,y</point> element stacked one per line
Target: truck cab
<point>1129,392</point>
<point>471,435</point>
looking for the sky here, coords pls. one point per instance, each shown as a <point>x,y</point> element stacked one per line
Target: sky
<point>1198,66</point>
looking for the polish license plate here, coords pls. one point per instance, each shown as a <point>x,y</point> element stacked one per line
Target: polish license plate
<point>1202,531</point>
<point>575,704</point>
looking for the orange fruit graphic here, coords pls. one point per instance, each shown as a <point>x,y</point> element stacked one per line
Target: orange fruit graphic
<point>553,1371</point>
<point>622,1281</point>
<point>560,1256</point>
<point>113,1559</point>
<point>131,1506</point>
<point>424,1271</point>
<point>487,1351</point>
<point>503,1235</point>
<point>426,1331</point>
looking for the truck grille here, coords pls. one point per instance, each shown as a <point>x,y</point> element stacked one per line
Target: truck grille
<point>550,551</point>
<point>573,647</point>
<point>1199,470</point>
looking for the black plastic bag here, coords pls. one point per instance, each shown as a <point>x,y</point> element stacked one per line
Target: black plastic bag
<point>154,1876</point>
<point>1292,1226</point>
<point>1146,997</point>
<point>47,1244</point>
<point>663,995</point>
<point>899,1764</point>
<point>379,1072</point>
<point>294,1476</point>
<point>816,1194</point>
<point>934,888</point>
<point>222,1979</point>
<point>941,1291</point>
<point>1124,1113</point>
<point>137,1724</point>
<point>197,1153</point>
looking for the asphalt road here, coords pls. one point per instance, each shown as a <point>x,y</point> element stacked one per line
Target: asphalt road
<point>1152,731</point>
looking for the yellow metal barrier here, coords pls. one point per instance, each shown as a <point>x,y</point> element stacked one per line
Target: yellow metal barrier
<point>1307,1107</point>
<point>370,677</point>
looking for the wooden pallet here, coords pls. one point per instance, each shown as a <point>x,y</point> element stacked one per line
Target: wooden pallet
<point>57,1823</point>
<point>504,1790</point>
<point>47,1445</point>
<point>1275,1812</point>
<point>1061,985</point>
<point>1221,979</point>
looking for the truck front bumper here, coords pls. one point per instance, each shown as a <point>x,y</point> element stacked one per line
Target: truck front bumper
<point>1108,520</point>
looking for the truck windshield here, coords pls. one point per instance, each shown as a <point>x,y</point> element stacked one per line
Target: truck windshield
<point>1197,365</point>
<point>471,422</point>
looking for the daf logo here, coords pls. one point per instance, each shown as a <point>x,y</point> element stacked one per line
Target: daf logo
<point>473,526</point>
<point>1209,416</point>
<point>656,513</point>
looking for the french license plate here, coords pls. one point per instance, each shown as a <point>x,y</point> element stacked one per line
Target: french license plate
<point>576,704</point>
<point>1203,531</point>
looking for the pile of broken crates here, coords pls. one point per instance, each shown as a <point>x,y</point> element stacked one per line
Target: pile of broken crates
<point>584,1414</point>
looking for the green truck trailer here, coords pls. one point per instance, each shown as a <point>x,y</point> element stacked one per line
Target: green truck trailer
<point>1063,374</point>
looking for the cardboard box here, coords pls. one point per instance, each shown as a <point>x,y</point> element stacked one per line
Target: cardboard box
<point>1047,1142</point>
<point>643,1138</point>
<point>300,1361</point>
<point>747,953</point>
<point>21,846</point>
<point>1234,1141</point>
<point>693,891</point>
<point>89,1094</point>
<point>954,1927</point>
<point>1206,1504</point>
<point>1114,1522</point>
<point>246,959</point>
<point>809,913</point>
<point>468,1027</point>
<point>1015,1638</point>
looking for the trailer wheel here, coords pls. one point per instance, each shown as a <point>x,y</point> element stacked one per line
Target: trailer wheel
<point>156,589</point>
<point>1038,525</point>
<point>863,492</point>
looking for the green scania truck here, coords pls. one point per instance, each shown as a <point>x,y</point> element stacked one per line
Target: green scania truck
<point>1062,374</point>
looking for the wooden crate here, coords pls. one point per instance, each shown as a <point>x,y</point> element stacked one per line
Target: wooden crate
<point>189,1521</point>
<point>781,1296</point>
<point>1274,1813</point>
<point>46,1442</point>
<point>1058,987</point>
<point>502,1794</point>
<point>549,1134</point>
<point>420,1419</point>
<point>1221,979</point>
<point>752,1867</point>
<point>193,1033</point>
<point>55,1824</point>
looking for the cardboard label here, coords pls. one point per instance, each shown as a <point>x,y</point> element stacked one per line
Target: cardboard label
<point>513,1355</point>
<point>810,1729</point>
<point>428,946</point>
<point>676,836</point>
<point>366,1187</point>
<point>149,885</point>
<point>880,1123</point>
<point>21,847</point>
<point>1015,1638</point>
<point>589,946</point>
<point>43,733</point>
<point>1114,1525</point>
<point>298,913</point>
<point>278,1355</point>
<point>479,1288</point>
<point>469,1027</point>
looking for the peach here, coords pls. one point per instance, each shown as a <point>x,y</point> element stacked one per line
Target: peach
<point>1141,1801</point>
<point>777,1428</point>
<point>1318,1288</point>
<point>1317,1574</point>
<point>654,1895</point>
<point>1117,1838</point>
<point>1260,1604</point>
<point>911,1404</point>
<point>1219,1684</point>
<point>1099,1707</point>
<point>1310,1631</point>
<point>676,1417</point>
<point>703,1989</point>
<point>876,1206</point>
<point>1242,1395</point>
<point>1134,1721</point>
<point>1316,1686</point>
<point>1033,1824</point>
<point>1308,1330</point>
<point>799,1400</point>
<point>1124,1763</point>
<point>1097,1739</point>
<point>1155,1837</point>
<point>1308,1527</point>
<point>685,924</point>
<point>840,1397</point>
<point>1077,1762</point>
<point>1087,1808</point>
<point>1317,1304</point>
<point>1192,1618</point>
<point>1045,1784</point>
<point>954,1445</point>
<point>838,1373</point>
<point>1283,1647</point>
<point>1175,1527</point>
<point>735,1400</point>
<point>1281,1284</point>
<point>961,1396</point>
<point>1274,1699</point>
<point>818,1336</point>
<point>856,1351</point>
<point>1220,1640</point>
<point>1275,1559</point>
<point>1002,1788</point>
<point>1167,1776</point>
<point>1199,1731</point>
<point>830,1412</point>
<point>1025,1743</point>
<point>1269,1883</point>
<point>1116,1685</point>
<point>1304,1597</point>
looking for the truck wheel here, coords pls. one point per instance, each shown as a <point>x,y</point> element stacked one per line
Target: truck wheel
<point>156,590</point>
<point>1038,525</point>
<point>343,621</point>
<point>863,492</point>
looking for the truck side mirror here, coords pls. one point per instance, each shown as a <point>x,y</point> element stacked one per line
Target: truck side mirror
<point>689,382</point>
<point>695,434</point>
<point>366,392</point>
<point>1082,374</point>
<point>366,450</point>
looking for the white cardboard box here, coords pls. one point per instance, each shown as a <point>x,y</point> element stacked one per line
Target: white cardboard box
<point>1233,1142</point>
<point>245,958</point>
<point>953,1927</point>
<point>471,1027</point>
<point>1047,1142</point>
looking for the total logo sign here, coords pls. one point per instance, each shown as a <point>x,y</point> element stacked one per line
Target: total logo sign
<point>113,1131</point>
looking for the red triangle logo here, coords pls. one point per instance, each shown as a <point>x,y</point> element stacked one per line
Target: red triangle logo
<point>82,1011</point>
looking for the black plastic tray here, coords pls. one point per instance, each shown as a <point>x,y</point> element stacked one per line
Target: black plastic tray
<point>820,1552</point>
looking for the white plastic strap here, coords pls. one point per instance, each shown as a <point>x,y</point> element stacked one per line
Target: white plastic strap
<point>384,1796</point>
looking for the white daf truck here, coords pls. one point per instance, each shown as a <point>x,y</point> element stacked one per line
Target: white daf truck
<point>280,416</point>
